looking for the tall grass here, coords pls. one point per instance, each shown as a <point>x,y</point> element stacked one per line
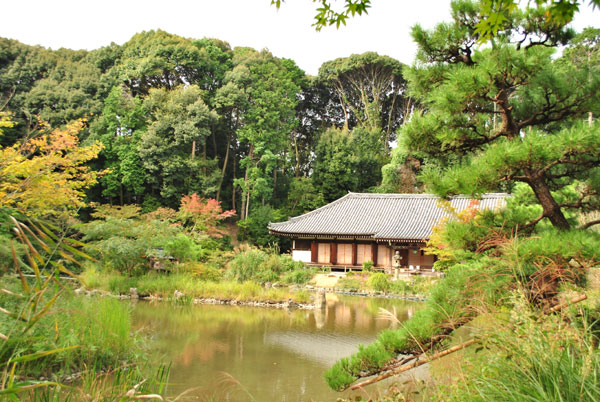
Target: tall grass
<point>164,286</point>
<point>532,360</point>
<point>124,383</point>
<point>45,330</point>
<point>88,333</point>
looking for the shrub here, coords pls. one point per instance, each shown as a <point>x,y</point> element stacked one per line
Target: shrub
<point>246,265</point>
<point>202,271</point>
<point>399,287</point>
<point>183,248</point>
<point>350,284</point>
<point>258,265</point>
<point>379,282</point>
<point>123,244</point>
<point>367,266</point>
<point>302,296</point>
<point>298,276</point>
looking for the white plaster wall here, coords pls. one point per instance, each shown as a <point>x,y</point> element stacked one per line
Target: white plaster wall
<point>301,255</point>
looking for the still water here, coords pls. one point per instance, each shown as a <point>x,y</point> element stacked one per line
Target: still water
<point>239,353</point>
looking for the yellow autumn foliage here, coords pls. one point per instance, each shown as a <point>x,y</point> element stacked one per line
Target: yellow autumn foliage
<point>47,175</point>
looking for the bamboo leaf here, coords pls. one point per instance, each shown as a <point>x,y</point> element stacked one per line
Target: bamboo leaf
<point>27,386</point>
<point>41,243</point>
<point>42,312</point>
<point>69,258</point>
<point>37,355</point>
<point>64,270</point>
<point>77,252</point>
<point>8,292</point>
<point>18,269</point>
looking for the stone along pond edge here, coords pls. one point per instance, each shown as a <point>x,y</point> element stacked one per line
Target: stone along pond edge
<point>180,296</point>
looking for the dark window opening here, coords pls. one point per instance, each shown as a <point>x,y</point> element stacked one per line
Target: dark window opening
<point>302,245</point>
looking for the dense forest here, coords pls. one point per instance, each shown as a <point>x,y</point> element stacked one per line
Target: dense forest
<point>177,116</point>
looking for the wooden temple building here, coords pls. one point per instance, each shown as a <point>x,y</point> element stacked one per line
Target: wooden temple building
<point>371,227</point>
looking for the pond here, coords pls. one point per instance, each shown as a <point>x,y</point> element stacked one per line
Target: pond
<point>240,353</point>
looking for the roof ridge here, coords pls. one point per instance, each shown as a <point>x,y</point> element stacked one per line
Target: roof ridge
<point>314,211</point>
<point>419,195</point>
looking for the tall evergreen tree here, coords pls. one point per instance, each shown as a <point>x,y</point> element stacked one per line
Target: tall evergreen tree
<point>506,113</point>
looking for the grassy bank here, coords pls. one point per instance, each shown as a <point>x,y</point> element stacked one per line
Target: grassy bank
<point>88,333</point>
<point>165,285</point>
<point>366,282</point>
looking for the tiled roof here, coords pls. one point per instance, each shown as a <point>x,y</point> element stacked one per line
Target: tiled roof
<point>380,216</point>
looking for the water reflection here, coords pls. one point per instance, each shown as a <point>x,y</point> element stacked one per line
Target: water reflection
<point>276,355</point>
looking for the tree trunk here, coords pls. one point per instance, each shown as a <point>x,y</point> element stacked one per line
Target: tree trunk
<point>224,168</point>
<point>193,149</point>
<point>234,168</point>
<point>204,158</point>
<point>551,208</point>
<point>274,182</point>
<point>297,154</point>
<point>247,205</point>
<point>214,142</point>
<point>244,195</point>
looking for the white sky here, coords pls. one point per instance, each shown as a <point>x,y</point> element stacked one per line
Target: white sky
<point>85,24</point>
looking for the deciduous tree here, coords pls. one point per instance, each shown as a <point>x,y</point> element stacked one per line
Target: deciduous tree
<point>47,175</point>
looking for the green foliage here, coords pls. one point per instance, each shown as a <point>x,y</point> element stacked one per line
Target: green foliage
<point>258,265</point>
<point>400,287</point>
<point>348,161</point>
<point>255,227</point>
<point>178,130</point>
<point>193,285</point>
<point>481,277</point>
<point>506,113</point>
<point>372,91</point>
<point>184,248</point>
<point>495,15</point>
<point>367,266</point>
<point>47,331</point>
<point>265,92</point>
<point>125,244</point>
<point>379,282</point>
<point>89,332</point>
<point>350,284</point>
<point>202,272</point>
<point>247,264</point>
<point>400,175</point>
<point>119,128</point>
<point>538,358</point>
<point>299,276</point>
<point>303,196</point>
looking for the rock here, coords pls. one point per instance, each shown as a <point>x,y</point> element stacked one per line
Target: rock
<point>268,285</point>
<point>177,294</point>
<point>276,285</point>
<point>321,299</point>
<point>79,291</point>
<point>133,293</point>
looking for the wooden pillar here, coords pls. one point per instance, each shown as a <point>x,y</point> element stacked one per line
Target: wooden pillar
<point>333,253</point>
<point>314,251</point>
<point>354,253</point>
<point>374,253</point>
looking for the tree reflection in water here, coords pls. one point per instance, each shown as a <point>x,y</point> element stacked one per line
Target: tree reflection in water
<point>277,355</point>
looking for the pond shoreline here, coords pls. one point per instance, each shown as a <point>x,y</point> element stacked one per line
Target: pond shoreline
<point>179,297</point>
